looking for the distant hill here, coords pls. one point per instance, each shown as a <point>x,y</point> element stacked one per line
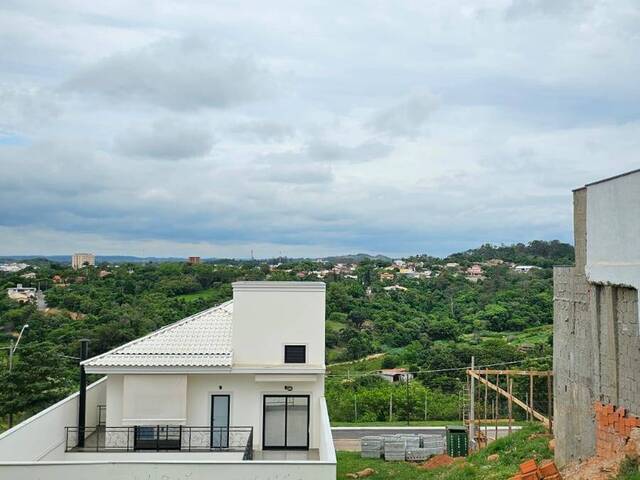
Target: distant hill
<point>537,252</point>
<point>66,259</point>
<point>356,258</point>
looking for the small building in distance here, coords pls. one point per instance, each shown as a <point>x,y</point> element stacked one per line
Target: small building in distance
<point>386,276</point>
<point>21,294</point>
<point>394,375</point>
<point>193,260</point>
<point>12,267</point>
<point>525,268</point>
<point>79,260</point>
<point>474,273</point>
<point>494,262</point>
<point>395,288</point>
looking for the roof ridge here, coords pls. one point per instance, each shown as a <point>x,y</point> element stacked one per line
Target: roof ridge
<point>183,321</point>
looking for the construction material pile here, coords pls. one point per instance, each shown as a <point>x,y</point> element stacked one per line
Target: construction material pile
<point>400,447</point>
<point>529,470</point>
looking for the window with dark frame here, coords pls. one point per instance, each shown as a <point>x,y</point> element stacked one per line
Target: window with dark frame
<point>295,354</point>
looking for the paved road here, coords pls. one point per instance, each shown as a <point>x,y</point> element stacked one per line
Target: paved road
<point>357,433</point>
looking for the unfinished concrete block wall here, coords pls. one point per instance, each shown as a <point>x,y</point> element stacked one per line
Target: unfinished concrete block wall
<point>596,355</point>
<point>625,311</point>
<point>573,366</point>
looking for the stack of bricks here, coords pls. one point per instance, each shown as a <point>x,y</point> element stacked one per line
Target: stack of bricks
<point>529,470</point>
<point>613,428</point>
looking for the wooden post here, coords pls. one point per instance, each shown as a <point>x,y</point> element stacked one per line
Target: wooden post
<point>531,392</point>
<point>510,387</point>
<point>407,398</point>
<point>486,396</point>
<point>526,400</point>
<point>497,404</point>
<point>472,413</point>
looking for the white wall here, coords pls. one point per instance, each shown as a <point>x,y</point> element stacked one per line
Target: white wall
<point>115,394</point>
<point>154,400</point>
<point>246,399</point>
<point>268,315</point>
<point>43,436</point>
<point>152,456</point>
<point>327,448</point>
<point>176,470</point>
<point>613,231</point>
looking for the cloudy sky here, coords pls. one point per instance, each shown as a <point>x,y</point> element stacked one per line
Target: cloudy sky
<point>215,128</point>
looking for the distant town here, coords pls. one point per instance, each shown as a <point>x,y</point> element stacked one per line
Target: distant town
<point>323,268</point>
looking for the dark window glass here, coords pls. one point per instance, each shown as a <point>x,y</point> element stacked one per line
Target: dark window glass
<point>295,354</point>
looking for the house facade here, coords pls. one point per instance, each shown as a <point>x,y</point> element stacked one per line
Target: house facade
<point>223,391</point>
<point>21,294</point>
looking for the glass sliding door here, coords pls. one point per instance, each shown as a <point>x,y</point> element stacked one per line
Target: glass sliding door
<point>275,419</point>
<point>220,421</point>
<point>286,422</point>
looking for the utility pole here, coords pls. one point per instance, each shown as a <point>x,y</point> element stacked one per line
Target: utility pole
<point>407,395</point>
<point>391,407</point>
<point>425,405</point>
<point>355,405</point>
<point>82,397</point>
<point>10,355</point>
<point>472,407</point>
<point>12,349</point>
<point>10,367</point>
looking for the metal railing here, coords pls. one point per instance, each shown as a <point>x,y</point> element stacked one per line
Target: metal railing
<point>162,438</point>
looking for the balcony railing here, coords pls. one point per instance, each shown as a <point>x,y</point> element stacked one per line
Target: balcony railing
<point>162,438</point>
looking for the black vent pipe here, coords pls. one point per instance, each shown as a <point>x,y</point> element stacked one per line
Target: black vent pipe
<point>82,400</point>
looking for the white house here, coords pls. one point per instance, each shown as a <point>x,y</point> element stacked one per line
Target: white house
<point>21,294</point>
<point>233,392</point>
<point>525,268</point>
<point>394,375</point>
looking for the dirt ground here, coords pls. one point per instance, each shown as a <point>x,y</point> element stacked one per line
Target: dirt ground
<point>595,468</point>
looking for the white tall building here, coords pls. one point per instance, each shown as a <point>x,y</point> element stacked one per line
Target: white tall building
<point>233,392</point>
<point>79,260</point>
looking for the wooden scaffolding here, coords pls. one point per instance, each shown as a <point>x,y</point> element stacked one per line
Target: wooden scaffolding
<point>480,398</point>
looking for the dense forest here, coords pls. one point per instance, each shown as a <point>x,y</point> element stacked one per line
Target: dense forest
<point>432,320</point>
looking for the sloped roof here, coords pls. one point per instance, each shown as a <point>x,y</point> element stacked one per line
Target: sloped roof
<point>202,340</point>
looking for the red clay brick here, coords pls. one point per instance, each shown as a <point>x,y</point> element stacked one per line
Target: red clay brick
<point>529,466</point>
<point>548,468</point>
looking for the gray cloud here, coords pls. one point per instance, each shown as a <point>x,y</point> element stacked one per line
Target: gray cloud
<point>186,74</point>
<point>406,118</point>
<point>169,139</point>
<point>521,9</point>
<point>24,107</point>
<point>333,152</point>
<point>296,173</point>
<point>342,159</point>
<point>265,131</point>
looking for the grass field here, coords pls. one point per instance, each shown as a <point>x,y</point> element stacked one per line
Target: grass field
<point>530,442</point>
<point>628,471</point>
